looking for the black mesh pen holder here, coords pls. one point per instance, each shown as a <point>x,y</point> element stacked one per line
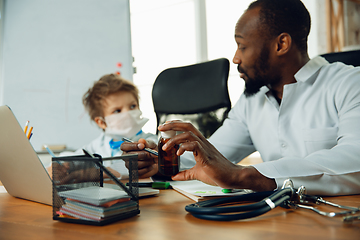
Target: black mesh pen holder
<point>86,192</point>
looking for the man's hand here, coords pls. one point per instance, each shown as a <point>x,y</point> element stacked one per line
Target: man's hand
<point>211,166</point>
<point>148,163</point>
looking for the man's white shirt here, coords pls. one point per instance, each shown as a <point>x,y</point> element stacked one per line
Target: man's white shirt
<point>312,137</point>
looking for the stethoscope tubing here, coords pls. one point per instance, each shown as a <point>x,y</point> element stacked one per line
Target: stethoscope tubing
<point>240,216</point>
<point>205,209</point>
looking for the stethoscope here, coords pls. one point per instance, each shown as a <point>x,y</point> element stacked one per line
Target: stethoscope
<point>286,197</point>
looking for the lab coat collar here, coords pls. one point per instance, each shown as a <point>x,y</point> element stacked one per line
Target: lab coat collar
<point>305,73</point>
<point>310,68</point>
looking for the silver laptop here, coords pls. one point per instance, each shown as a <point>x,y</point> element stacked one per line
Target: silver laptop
<point>21,171</point>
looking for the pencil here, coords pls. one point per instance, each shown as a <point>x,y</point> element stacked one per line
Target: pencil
<point>29,133</point>
<point>26,126</point>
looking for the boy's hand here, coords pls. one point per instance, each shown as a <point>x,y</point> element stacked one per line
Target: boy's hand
<point>82,175</point>
<point>58,171</point>
<point>148,163</point>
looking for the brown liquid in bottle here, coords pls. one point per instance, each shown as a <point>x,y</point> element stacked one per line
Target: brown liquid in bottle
<point>168,160</point>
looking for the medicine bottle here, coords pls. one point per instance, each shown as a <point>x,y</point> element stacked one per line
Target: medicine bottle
<point>168,160</point>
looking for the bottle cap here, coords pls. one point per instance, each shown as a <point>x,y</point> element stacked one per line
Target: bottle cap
<point>168,134</point>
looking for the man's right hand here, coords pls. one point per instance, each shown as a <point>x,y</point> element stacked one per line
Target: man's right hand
<point>147,163</point>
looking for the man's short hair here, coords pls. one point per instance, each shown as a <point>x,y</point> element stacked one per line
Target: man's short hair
<point>285,16</point>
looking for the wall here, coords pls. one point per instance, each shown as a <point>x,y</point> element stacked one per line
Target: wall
<point>53,51</point>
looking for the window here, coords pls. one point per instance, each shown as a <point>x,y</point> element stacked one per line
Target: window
<point>163,36</point>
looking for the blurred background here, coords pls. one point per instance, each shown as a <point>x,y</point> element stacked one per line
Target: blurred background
<point>53,50</point>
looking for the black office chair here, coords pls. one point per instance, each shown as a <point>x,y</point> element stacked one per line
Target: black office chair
<point>348,57</point>
<point>197,93</point>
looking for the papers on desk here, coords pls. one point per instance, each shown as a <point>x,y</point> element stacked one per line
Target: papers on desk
<point>94,195</point>
<point>199,191</point>
<point>2,189</point>
<point>143,192</point>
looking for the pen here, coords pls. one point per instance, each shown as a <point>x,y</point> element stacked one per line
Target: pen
<point>226,190</point>
<point>88,154</point>
<point>156,185</point>
<point>146,149</point>
<point>49,151</point>
<point>111,175</point>
<point>52,154</point>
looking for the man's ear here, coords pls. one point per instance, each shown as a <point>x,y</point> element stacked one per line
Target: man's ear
<point>284,43</point>
<point>100,122</point>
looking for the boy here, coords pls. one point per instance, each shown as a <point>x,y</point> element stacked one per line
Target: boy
<point>113,104</point>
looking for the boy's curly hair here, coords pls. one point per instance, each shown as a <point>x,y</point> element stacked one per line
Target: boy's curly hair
<point>105,86</point>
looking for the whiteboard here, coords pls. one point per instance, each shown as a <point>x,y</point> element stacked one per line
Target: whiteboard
<point>53,51</point>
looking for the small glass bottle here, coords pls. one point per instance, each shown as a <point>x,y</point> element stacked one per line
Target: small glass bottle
<point>168,160</point>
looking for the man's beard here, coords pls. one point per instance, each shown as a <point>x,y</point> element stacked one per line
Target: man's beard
<point>253,85</point>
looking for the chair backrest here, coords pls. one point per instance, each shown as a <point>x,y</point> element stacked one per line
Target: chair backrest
<point>193,93</point>
<point>348,57</point>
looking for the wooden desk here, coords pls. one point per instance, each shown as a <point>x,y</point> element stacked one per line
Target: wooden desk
<point>164,217</point>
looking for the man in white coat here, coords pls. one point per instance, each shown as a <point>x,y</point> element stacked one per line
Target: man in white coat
<point>302,115</point>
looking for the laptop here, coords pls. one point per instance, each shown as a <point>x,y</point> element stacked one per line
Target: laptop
<point>21,171</point>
